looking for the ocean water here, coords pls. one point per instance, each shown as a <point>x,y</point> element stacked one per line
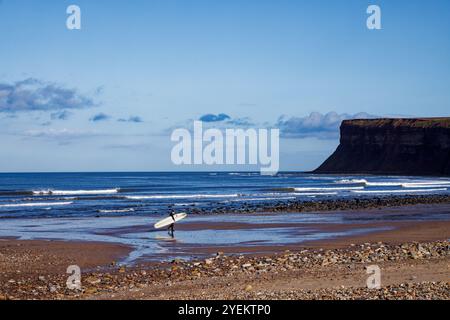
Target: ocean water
<point>52,195</point>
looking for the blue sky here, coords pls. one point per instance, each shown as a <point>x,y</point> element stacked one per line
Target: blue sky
<point>138,68</point>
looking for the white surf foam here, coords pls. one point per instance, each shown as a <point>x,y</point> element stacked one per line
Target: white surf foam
<point>116,210</point>
<point>400,184</point>
<point>327,189</point>
<point>75,192</point>
<point>182,196</point>
<point>243,174</point>
<point>315,193</point>
<point>263,199</point>
<point>370,184</point>
<point>401,191</point>
<point>430,184</point>
<point>36,204</point>
<point>186,204</point>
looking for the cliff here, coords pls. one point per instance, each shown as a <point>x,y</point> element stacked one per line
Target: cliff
<point>392,146</point>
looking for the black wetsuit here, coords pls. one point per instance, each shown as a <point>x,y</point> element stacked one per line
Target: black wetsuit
<point>171,229</point>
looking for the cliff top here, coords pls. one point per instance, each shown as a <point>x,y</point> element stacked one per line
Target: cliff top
<point>400,122</point>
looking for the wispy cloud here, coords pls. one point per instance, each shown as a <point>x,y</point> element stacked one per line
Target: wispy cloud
<point>317,125</point>
<point>36,95</point>
<point>241,122</point>
<point>135,146</point>
<point>214,118</point>
<point>61,136</point>
<point>220,121</point>
<point>135,119</point>
<point>100,117</point>
<point>60,115</point>
<point>226,120</point>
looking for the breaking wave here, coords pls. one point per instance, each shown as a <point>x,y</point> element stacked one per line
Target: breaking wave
<point>327,189</point>
<point>35,204</point>
<point>262,199</point>
<point>181,196</point>
<point>402,191</point>
<point>401,184</point>
<point>75,192</point>
<point>370,184</point>
<point>315,193</point>
<point>116,210</point>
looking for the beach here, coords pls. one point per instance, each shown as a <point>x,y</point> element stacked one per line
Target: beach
<point>412,252</point>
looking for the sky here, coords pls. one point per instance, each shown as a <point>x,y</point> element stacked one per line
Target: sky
<point>106,97</point>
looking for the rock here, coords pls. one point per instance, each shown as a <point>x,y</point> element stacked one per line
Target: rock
<point>377,146</point>
<point>177,260</point>
<point>248,288</point>
<point>90,291</point>
<point>93,280</point>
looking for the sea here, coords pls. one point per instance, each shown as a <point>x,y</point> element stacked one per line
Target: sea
<point>122,208</point>
<point>44,195</point>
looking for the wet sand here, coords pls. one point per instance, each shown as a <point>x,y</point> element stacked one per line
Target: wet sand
<point>200,236</point>
<point>402,232</point>
<point>391,233</point>
<point>37,268</point>
<point>36,257</point>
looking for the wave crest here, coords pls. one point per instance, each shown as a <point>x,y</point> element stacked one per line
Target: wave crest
<point>74,192</point>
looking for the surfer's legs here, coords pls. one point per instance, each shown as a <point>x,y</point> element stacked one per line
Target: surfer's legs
<point>170,230</point>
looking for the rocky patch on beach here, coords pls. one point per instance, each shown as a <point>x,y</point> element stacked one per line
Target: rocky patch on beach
<point>322,205</point>
<point>403,291</point>
<point>126,282</point>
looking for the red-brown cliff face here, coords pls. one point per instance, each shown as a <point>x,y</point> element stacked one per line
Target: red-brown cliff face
<point>392,146</point>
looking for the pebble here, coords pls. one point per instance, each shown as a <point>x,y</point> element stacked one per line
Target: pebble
<point>350,258</point>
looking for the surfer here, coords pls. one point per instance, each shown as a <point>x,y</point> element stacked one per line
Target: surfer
<point>170,229</point>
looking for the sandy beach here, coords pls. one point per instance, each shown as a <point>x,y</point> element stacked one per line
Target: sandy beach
<point>414,258</point>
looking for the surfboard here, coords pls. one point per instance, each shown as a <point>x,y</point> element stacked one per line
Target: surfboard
<point>168,221</point>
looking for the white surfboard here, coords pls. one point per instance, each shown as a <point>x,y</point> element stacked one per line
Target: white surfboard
<point>168,221</point>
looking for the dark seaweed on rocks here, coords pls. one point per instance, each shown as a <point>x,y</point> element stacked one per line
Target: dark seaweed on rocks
<point>325,205</point>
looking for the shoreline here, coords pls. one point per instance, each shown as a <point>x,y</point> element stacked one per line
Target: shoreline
<point>372,202</point>
<point>409,271</point>
<point>410,243</point>
<point>414,256</point>
<point>253,233</point>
